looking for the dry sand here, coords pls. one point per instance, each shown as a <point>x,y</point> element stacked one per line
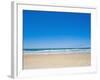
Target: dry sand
<point>32,61</point>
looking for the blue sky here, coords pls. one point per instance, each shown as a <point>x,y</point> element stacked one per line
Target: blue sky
<point>46,29</point>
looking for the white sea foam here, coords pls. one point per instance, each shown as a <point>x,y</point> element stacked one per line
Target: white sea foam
<point>59,51</point>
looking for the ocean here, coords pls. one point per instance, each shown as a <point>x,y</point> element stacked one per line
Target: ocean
<point>57,51</point>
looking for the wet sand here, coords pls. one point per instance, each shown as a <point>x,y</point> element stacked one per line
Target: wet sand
<point>33,61</point>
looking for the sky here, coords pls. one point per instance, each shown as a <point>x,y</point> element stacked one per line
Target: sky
<point>48,29</point>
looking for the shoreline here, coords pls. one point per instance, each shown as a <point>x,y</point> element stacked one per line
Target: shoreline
<point>33,61</point>
<point>54,53</point>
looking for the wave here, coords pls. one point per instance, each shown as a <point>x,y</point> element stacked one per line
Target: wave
<point>57,51</point>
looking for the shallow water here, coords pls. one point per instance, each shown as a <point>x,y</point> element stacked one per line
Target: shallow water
<point>57,51</point>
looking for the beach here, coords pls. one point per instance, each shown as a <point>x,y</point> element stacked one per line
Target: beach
<point>33,61</point>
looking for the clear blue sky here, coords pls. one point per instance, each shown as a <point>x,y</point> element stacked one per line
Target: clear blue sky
<point>46,29</point>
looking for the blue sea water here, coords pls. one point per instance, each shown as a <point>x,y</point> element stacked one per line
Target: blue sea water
<point>57,51</point>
